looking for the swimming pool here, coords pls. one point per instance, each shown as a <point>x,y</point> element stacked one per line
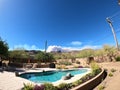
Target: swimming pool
<point>50,76</point>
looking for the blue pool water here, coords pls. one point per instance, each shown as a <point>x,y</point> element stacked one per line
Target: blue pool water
<point>50,76</point>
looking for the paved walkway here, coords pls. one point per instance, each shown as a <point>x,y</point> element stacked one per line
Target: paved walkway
<point>8,80</point>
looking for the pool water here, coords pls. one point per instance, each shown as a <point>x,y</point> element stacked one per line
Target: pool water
<point>50,76</point>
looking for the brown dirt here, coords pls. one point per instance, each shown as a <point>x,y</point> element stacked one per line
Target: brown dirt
<point>111,83</point>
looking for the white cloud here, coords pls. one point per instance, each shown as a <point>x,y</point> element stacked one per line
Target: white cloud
<point>26,47</point>
<point>76,43</point>
<point>54,48</point>
<point>67,49</point>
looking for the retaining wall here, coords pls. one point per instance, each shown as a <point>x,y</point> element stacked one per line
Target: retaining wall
<point>92,83</point>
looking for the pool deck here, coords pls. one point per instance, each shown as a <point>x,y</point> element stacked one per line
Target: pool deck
<point>8,80</point>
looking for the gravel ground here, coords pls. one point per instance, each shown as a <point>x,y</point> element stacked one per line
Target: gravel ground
<point>113,82</point>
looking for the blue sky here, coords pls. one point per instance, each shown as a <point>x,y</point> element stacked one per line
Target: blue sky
<point>67,24</point>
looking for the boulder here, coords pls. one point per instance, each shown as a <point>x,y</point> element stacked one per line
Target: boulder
<point>65,78</point>
<point>68,76</point>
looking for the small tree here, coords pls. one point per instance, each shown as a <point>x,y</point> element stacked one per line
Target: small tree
<point>39,56</point>
<point>3,49</point>
<point>44,57</point>
<point>86,53</point>
<point>110,51</point>
<point>18,55</point>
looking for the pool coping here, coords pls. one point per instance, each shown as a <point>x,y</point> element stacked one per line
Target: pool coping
<point>56,83</point>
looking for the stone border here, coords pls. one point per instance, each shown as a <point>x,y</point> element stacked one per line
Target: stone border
<point>90,84</point>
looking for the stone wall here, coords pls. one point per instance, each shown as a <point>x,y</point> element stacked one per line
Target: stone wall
<point>92,83</point>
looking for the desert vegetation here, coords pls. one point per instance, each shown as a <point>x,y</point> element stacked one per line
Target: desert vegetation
<point>105,54</point>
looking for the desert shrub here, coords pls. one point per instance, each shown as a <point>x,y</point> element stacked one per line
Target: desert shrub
<point>28,86</point>
<point>113,70</point>
<point>64,86</point>
<point>85,53</point>
<point>59,67</point>
<point>63,66</point>
<point>110,74</point>
<point>69,85</point>
<point>87,76</point>
<point>39,87</point>
<point>76,66</point>
<point>117,58</point>
<point>83,79</point>
<point>76,83</point>
<point>77,62</point>
<point>91,75</point>
<point>95,68</point>
<point>101,87</point>
<point>49,86</point>
<point>65,63</point>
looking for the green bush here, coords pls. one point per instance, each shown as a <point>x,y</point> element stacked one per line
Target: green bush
<point>49,86</point>
<point>87,76</point>
<point>84,78</point>
<point>101,87</point>
<point>113,70</point>
<point>117,58</point>
<point>28,86</point>
<point>65,63</point>
<point>95,68</point>
<point>110,74</point>
<point>91,74</point>
<point>76,83</point>
<point>64,86</point>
